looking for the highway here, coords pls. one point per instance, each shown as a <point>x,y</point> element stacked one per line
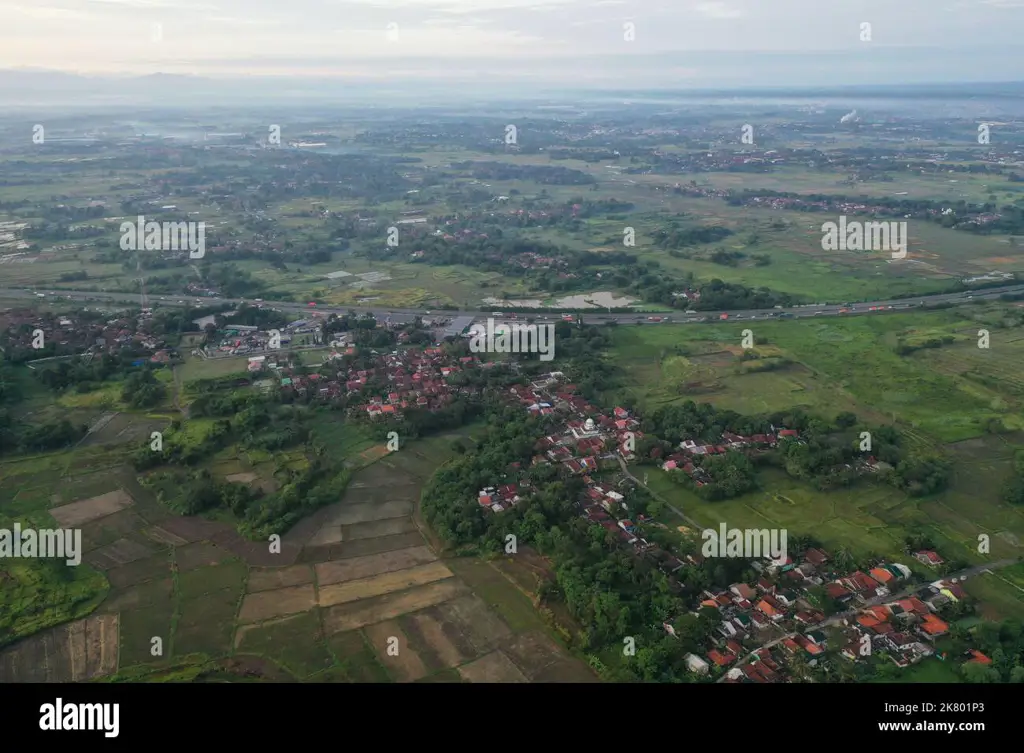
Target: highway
<point>399,316</point>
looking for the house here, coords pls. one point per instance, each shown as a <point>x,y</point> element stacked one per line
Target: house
<point>928,557</point>
<point>696,665</point>
<point>977,657</point>
<point>933,627</point>
<point>743,591</point>
<point>720,660</point>
<point>816,557</point>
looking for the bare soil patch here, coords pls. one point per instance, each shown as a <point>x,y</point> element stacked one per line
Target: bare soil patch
<point>407,666</point>
<point>533,653</point>
<point>333,533</point>
<point>495,667</point>
<point>241,478</point>
<point>76,652</point>
<point>481,627</point>
<point>77,513</point>
<point>353,616</point>
<point>108,529</point>
<point>373,546</point>
<point>377,528</point>
<point>342,593</point>
<point>164,536</point>
<point>119,553</point>
<point>269,579</point>
<point>373,564</point>
<point>432,632</point>
<point>266,605</point>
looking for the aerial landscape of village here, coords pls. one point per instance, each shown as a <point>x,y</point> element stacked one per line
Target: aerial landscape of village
<point>607,388</point>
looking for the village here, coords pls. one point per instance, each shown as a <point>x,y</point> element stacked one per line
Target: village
<point>765,624</point>
<point>766,627</point>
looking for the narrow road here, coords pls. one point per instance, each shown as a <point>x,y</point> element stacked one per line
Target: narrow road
<point>657,496</point>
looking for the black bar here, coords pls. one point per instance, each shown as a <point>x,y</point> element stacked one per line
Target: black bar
<point>268,713</point>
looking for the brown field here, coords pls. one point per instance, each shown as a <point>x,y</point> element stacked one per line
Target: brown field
<point>77,513</point>
<point>353,616</point>
<point>363,513</point>
<point>379,585</point>
<point>438,637</point>
<point>266,605</point>
<point>367,575</point>
<point>81,650</point>
<point>107,530</point>
<point>121,552</point>
<point>407,666</point>
<point>163,536</point>
<point>480,625</point>
<point>533,653</point>
<point>242,478</point>
<point>374,564</point>
<point>495,667</point>
<point>271,578</point>
<point>372,454</point>
<point>376,528</point>
<point>363,547</point>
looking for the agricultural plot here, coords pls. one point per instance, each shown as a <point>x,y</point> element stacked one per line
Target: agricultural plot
<point>356,595</point>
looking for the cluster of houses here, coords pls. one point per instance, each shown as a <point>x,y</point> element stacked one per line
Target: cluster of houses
<point>690,448</point>
<point>73,335</point>
<point>762,624</point>
<point>384,388</point>
<point>776,614</point>
<point>413,379</point>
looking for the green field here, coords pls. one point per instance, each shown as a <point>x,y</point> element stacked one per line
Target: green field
<point>938,397</point>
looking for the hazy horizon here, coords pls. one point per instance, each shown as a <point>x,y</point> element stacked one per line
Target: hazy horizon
<point>523,43</point>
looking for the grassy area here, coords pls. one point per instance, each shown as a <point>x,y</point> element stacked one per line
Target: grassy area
<point>939,397</point>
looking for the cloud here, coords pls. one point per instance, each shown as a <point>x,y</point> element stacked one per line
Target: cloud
<point>45,13</point>
<point>460,6</point>
<point>717,10</point>
<point>157,4</point>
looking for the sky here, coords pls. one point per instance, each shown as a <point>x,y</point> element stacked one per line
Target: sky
<point>614,43</point>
